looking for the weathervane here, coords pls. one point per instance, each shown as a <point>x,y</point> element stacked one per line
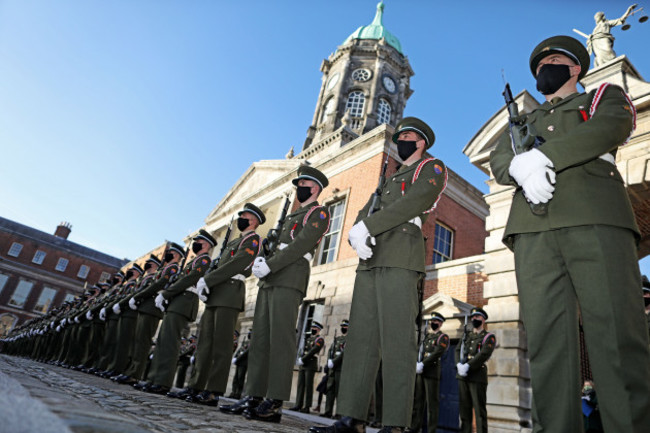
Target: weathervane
<point>601,42</point>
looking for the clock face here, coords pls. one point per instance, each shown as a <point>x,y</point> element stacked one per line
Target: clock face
<point>388,83</point>
<point>332,82</point>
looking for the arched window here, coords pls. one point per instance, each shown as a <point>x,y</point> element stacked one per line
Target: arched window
<point>355,103</point>
<point>330,106</point>
<point>383,111</point>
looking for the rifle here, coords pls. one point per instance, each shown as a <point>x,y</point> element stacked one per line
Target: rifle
<point>463,354</point>
<point>375,204</point>
<point>523,139</point>
<point>224,243</point>
<point>418,319</point>
<point>332,352</point>
<point>421,350</point>
<point>271,242</point>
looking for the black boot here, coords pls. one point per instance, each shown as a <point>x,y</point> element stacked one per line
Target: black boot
<point>182,393</point>
<point>269,410</point>
<point>206,398</point>
<point>344,425</point>
<point>240,406</point>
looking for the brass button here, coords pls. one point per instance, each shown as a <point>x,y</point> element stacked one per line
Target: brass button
<point>552,110</point>
<point>611,173</point>
<point>387,192</point>
<point>551,128</point>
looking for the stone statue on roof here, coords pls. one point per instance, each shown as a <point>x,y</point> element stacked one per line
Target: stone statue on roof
<point>601,42</point>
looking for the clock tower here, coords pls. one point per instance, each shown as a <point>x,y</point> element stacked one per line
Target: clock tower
<point>365,83</point>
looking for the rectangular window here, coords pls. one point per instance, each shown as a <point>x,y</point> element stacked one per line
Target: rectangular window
<point>83,271</point>
<point>39,257</point>
<point>61,264</point>
<point>104,277</point>
<point>45,300</point>
<point>21,293</point>
<point>3,280</point>
<point>15,249</point>
<point>330,242</point>
<point>442,244</point>
<point>310,312</point>
<point>68,297</point>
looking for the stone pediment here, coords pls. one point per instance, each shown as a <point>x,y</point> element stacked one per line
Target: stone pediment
<point>479,148</point>
<point>256,178</point>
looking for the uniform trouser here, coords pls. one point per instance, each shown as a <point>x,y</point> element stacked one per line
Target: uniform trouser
<point>272,353</point>
<point>305,388</point>
<point>145,329</point>
<point>214,349</point>
<point>110,340</point>
<point>124,343</point>
<point>382,329</point>
<point>333,382</point>
<point>473,395</point>
<point>165,356</point>
<point>181,371</point>
<point>238,380</point>
<point>83,341</point>
<point>94,348</point>
<point>592,270</point>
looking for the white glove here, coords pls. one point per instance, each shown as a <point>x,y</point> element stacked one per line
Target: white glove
<point>89,315</point>
<point>76,319</point>
<point>538,187</point>
<point>160,299</point>
<point>151,356</point>
<point>462,369</point>
<point>202,296</point>
<point>58,328</point>
<point>192,360</point>
<point>102,314</point>
<point>330,363</point>
<point>132,304</point>
<point>63,322</point>
<point>260,268</point>
<point>234,361</point>
<point>357,237</point>
<point>419,367</point>
<point>116,309</point>
<point>202,286</point>
<point>300,362</point>
<point>526,163</point>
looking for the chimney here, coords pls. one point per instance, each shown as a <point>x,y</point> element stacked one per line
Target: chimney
<point>63,230</point>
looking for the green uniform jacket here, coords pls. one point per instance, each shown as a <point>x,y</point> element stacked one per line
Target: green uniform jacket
<point>479,347</point>
<point>336,352</point>
<point>180,300</point>
<point>288,266</point>
<point>309,357</point>
<point>237,259</point>
<point>435,345</point>
<point>147,296</point>
<point>399,242</point>
<point>588,190</point>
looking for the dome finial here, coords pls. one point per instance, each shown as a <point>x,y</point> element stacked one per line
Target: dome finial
<point>379,16</point>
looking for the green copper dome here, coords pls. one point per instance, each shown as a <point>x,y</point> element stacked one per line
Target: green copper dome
<point>376,30</point>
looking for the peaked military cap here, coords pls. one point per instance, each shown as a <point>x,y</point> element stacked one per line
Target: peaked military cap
<point>310,173</point>
<point>478,312</point>
<point>315,324</point>
<point>175,247</point>
<point>416,125</point>
<point>120,274</point>
<point>566,45</point>
<point>437,316</point>
<point>250,207</point>
<point>206,236</point>
<point>136,267</point>
<point>154,259</point>
<point>345,323</point>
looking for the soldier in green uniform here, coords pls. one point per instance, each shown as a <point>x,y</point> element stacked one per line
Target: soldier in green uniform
<point>181,298</point>
<point>148,315</point>
<point>223,290</point>
<point>308,363</point>
<point>580,255</point>
<point>427,389</point>
<point>471,355</point>
<point>111,325</point>
<point>334,364</point>
<point>283,282</point>
<point>391,249</point>
<point>240,361</point>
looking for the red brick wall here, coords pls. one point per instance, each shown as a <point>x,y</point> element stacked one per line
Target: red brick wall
<point>467,288</point>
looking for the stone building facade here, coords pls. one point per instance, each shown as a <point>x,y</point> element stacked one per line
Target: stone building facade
<point>39,270</point>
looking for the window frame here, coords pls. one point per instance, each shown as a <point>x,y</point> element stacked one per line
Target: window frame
<point>18,286</point>
<point>36,257</point>
<point>40,297</point>
<point>450,243</point>
<point>386,112</point>
<point>84,276</point>
<point>320,250</point>
<point>352,105</point>
<point>18,245</point>
<point>58,264</point>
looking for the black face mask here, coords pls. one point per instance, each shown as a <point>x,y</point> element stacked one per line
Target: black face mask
<point>129,274</point>
<point>344,330</point>
<point>169,257</point>
<point>405,149</point>
<point>303,193</point>
<point>242,224</point>
<point>435,326</point>
<point>147,266</point>
<point>647,301</point>
<point>477,323</point>
<point>551,77</point>
<point>196,247</point>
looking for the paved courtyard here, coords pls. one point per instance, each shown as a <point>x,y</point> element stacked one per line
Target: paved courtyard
<point>41,398</point>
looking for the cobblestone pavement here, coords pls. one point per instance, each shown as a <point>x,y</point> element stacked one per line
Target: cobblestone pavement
<point>43,398</point>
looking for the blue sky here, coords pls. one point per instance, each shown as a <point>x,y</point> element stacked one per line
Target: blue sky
<point>132,118</point>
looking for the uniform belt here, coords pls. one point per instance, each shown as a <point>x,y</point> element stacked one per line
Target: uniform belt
<point>192,289</point>
<point>239,277</point>
<point>308,256</point>
<point>608,157</point>
<point>418,221</point>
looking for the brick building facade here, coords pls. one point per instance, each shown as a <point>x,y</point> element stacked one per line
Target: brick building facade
<point>39,270</point>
